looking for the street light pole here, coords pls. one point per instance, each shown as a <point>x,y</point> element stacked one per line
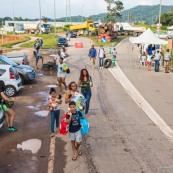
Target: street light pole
<point>13,17</point>
<point>55,16</point>
<point>40,15</point>
<point>160,11</point>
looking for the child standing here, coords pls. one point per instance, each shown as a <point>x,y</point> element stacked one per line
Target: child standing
<point>54,105</point>
<point>73,119</point>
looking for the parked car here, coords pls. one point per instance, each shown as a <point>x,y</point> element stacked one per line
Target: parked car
<point>73,34</point>
<point>18,58</point>
<point>162,35</point>
<point>11,78</point>
<point>62,42</point>
<point>26,72</point>
<point>2,118</point>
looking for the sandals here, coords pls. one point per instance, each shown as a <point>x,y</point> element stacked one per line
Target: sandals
<point>79,153</point>
<point>74,158</point>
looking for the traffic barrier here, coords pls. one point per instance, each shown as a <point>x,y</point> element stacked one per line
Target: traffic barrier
<point>79,45</point>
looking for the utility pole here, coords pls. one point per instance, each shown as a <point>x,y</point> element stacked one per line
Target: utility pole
<point>40,14</point>
<point>160,11</point>
<point>13,17</point>
<point>55,17</point>
<point>83,10</point>
<point>68,10</point>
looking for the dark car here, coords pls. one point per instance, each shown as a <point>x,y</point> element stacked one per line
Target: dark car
<point>26,72</point>
<point>73,34</point>
<point>62,42</point>
<point>18,58</point>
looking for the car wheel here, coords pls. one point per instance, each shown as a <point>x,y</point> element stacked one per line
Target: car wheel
<point>10,91</point>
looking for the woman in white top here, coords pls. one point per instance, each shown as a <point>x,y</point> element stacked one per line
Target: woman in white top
<point>61,74</point>
<point>101,55</point>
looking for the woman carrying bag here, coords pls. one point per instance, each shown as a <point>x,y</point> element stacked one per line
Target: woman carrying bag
<point>85,82</point>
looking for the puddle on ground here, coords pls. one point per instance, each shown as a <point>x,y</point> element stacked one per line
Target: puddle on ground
<point>42,113</point>
<point>33,107</point>
<point>51,86</point>
<point>39,74</point>
<point>32,145</point>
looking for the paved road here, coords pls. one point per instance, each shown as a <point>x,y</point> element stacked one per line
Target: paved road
<point>122,138</point>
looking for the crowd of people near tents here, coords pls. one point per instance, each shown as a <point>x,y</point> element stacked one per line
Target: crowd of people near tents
<point>150,56</point>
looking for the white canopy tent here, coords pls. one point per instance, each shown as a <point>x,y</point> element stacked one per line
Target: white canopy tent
<point>148,37</point>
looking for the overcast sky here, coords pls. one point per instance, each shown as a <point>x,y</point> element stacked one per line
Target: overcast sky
<point>30,8</point>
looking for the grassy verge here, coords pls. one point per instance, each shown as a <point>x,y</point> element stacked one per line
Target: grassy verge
<point>49,41</point>
<point>10,45</point>
<point>106,44</point>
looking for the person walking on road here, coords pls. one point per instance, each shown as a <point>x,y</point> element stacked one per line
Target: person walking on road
<point>157,61</point>
<point>4,108</point>
<point>73,119</point>
<point>92,55</point>
<point>54,105</point>
<point>61,74</point>
<point>85,82</point>
<point>167,58</point>
<point>38,56</point>
<point>72,89</point>
<point>101,55</point>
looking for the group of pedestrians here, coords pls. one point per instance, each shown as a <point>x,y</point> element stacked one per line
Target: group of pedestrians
<point>158,59</point>
<point>74,113</point>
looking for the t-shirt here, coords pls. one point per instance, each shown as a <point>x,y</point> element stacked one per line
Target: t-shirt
<point>54,103</point>
<point>101,53</point>
<point>149,58</point>
<point>167,56</point>
<point>75,125</point>
<point>157,56</point>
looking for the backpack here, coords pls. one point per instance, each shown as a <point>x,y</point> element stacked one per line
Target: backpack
<point>34,53</point>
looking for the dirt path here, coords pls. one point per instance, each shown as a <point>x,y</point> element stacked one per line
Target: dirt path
<point>17,46</point>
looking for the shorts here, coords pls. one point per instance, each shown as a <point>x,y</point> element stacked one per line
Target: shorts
<point>4,108</point>
<point>148,63</point>
<point>93,60</point>
<point>166,60</point>
<point>77,136</point>
<point>37,58</point>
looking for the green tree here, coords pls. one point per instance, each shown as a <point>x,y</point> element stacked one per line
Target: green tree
<point>114,9</point>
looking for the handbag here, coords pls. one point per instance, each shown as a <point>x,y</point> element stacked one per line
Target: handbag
<point>64,127</point>
<point>9,104</point>
<point>68,71</point>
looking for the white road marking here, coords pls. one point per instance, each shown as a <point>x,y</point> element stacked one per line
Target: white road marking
<point>51,158</point>
<point>142,103</point>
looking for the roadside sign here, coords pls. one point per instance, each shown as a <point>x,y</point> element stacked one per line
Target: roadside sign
<point>170,44</point>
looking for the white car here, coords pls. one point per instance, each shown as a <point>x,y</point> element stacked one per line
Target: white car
<point>162,35</point>
<point>11,78</point>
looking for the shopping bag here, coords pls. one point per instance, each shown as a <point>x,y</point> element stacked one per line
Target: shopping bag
<point>64,127</point>
<point>84,126</point>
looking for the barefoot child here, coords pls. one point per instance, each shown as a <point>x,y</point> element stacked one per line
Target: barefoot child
<point>74,129</point>
<point>54,105</point>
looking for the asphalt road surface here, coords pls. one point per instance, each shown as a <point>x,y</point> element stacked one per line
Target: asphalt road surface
<point>122,139</point>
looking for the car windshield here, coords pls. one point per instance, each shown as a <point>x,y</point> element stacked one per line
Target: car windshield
<point>62,39</point>
<point>8,61</point>
<point>46,25</point>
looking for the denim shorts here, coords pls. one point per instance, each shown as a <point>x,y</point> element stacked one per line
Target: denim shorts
<point>77,136</point>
